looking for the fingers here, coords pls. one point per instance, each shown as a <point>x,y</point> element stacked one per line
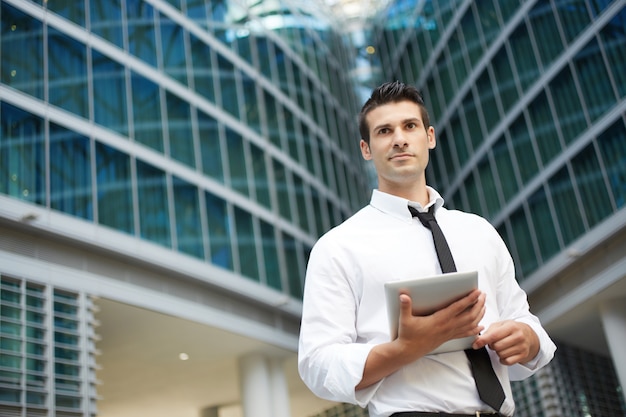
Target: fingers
<point>513,342</point>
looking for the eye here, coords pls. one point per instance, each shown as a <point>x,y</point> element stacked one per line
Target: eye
<point>383,130</point>
<point>411,125</point>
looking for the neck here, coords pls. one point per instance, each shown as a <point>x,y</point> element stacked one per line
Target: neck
<point>416,192</point>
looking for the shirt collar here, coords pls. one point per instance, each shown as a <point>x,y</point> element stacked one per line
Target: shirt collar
<point>398,207</point>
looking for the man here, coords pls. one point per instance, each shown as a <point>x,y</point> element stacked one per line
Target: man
<point>346,353</point>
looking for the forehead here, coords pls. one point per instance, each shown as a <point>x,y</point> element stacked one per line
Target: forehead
<point>392,113</point>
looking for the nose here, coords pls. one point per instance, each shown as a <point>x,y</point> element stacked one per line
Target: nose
<point>399,140</point>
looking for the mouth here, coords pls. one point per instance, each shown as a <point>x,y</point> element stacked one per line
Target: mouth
<point>400,156</point>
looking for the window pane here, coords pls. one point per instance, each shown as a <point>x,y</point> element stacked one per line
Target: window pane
<point>109,94</point>
<point>210,146</point>
<point>141,38</point>
<point>246,243</point>
<point>283,191</point>
<point>590,180</point>
<point>189,232</point>
<point>154,221</point>
<point>612,145</point>
<point>173,49</point>
<point>22,165</point>
<point>566,206</point>
<point>237,162</point>
<point>523,149</point>
<point>106,20</point>
<point>179,128</point>
<point>295,275</point>
<point>147,113</point>
<point>543,225</point>
<point>270,256</point>
<point>203,73</point>
<point>504,166</point>
<point>115,208</point>
<point>21,51</point>
<point>219,231</point>
<point>259,171</point>
<point>67,73</point>
<point>523,242</point>
<point>70,184</point>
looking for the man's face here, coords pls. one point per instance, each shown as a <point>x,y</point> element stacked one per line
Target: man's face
<point>399,144</point>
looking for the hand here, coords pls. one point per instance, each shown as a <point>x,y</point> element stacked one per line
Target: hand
<point>418,335</point>
<point>513,341</point>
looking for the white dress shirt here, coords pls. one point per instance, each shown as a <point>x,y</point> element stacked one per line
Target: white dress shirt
<point>344,312</point>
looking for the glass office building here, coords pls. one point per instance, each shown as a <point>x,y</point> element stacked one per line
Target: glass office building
<point>528,99</point>
<point>174,157</point>
<point>166,165</point>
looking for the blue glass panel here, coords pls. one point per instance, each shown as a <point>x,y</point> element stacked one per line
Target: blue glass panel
<point>543,225</point>
<point>544,130</point>
<point>227,84</point>
<point>179,127</point>
<point>591,183</point>
<point>148,129</point>
<point>219,231</point>
<point>523,149</point>
<point>189,232</point>
<point>568,105</point>
<point>259,172</point>
<point>270,256</point>
<point>70,9</point>
<point>210,146</point>
<point>523,242</point>
<point>109,94</point>
<point>237,162</point>
<point>21,51</point>
<point>22,164</point>
<point>70,173</point>
<point>106,20</point>
<point>154,220</point>
<point>595,82</point>
<point>504,167</point>
<point>202,68</point>
<point>283,190</point>
<point>115,208</point>
<point>612,144</point>
<point>614,42</point>
<point>566,206</point>
<point>295,274</point>
<point>67,73</point>
<point>141,37</point>
<point>173,49</point>
<point>301,190</point>
<point>246,244</point>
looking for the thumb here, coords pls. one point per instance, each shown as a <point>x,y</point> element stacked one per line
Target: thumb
<point>405,305</point>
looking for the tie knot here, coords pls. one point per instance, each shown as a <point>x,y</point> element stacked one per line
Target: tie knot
<point>424,216</point>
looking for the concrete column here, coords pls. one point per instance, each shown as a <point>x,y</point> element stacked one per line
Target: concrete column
<point>263,387</point>
<point>280,392</point>
<point>613,313</point>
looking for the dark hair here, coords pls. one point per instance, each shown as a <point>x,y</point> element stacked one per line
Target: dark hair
<point>390,92</point>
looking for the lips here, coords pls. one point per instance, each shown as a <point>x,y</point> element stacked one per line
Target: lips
<point>400,156</point>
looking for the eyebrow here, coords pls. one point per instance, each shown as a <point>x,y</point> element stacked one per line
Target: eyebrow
<point>405,121</point>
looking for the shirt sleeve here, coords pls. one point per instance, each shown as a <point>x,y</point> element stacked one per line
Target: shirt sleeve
<point>330,359</point>
<point>513,305</point>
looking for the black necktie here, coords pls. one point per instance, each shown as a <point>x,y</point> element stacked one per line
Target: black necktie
<point>487,383</point>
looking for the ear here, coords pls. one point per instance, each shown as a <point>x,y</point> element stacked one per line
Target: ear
<point>432,141</point>
<point>365,150</point>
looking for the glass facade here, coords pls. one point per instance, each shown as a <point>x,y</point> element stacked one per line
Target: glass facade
<point>47,359</point>
<point>528,101</point>
<point>221,130</point>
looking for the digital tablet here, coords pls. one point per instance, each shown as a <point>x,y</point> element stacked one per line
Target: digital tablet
<point>428,295</point>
